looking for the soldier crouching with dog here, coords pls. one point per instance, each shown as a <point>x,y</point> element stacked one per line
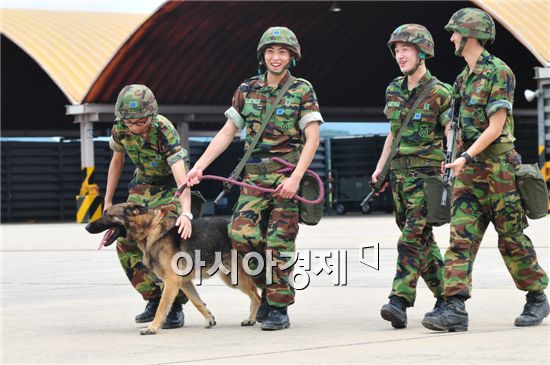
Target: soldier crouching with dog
<point>262,221</point>
<point>153,145</point>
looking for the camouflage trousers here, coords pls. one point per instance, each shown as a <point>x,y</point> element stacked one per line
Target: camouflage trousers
<point>263,222</point>
<point>417,251</point>
<point>486,192</point>
<point>130,256</point>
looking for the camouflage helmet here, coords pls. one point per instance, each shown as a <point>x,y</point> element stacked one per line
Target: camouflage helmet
<point>415,34</point>
<point>279,35</point>
<point>473,23</point>
<point>134,102</point>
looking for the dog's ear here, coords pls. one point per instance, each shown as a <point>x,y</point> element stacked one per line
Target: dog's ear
<point>167,209</point>
<point>159,214</point>
<point>159,225</point>
<point>135,209</point>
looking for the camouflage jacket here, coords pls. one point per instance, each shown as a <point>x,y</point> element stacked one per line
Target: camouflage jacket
<point>425,131</point>
<point>284,131</point>
<point>154,154</point>
<point>487,89</point>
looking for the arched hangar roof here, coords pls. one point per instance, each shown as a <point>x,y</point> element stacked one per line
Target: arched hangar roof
<point>196,53</point>
<point>71,47</point>
<point>528,21</point>
<point>76,48</point>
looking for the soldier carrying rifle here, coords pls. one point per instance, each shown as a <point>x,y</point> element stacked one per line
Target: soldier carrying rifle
<point>416,106</point>
<point>484,187</point>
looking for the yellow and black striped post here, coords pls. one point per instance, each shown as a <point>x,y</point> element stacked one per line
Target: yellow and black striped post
<point>88,202</point>
<point>544,169</point>
<point>543,164</point>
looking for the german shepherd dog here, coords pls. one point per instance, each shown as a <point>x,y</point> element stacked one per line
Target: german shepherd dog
<point>157,237</point>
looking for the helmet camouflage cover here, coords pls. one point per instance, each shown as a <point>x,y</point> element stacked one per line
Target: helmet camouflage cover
<point>473,23</point>
<point>279,35</point>
<point>415,34</point>
<point>134,102</point>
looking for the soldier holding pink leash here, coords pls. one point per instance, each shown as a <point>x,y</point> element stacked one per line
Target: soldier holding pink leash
<point>282,119</point>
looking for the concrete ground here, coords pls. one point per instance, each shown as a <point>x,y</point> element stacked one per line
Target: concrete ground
<point>65,302</point>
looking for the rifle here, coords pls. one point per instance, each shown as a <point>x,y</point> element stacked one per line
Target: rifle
<point>235,175</point>
<point>376,187</point>
<point>452,144</point>
<point>384,175</point>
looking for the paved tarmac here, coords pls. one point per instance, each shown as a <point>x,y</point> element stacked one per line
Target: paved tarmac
<point>65,302</point>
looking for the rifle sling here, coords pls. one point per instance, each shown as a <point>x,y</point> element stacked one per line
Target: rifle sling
<point>397,139</point>
<point>270,109</point>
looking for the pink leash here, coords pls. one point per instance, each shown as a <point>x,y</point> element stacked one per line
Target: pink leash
<point>289,167</point>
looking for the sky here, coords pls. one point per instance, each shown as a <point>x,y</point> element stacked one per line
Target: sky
<point>119,6</point>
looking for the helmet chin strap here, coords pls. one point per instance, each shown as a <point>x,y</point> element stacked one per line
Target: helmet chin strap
<point>460,49</point>
<point>421,57</point>
<point>278,73</point>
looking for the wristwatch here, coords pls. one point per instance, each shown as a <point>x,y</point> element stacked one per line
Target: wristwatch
<point>467,157</point>
<point>188,215</point>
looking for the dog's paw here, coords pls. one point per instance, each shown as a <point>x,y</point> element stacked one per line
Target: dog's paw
<point>248,322</point>
<point>210,323</point>
<point>147,331</point>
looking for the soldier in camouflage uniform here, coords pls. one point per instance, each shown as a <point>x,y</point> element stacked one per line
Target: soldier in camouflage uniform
<point>153,145</point>
<point>419,155</point>
<point>484,189</point>
<point>261,221</point>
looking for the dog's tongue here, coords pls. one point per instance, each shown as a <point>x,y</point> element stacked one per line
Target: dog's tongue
<point>106,237</point>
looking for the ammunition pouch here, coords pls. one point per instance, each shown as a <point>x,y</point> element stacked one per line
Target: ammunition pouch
<point>533,190</point>
<point>310,215</point>
<point>437,215</point>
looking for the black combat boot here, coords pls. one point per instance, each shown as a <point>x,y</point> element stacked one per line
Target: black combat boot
<point>175,317</point>
<point>439,302</point>
<point>395,312</point>
<point>277,319</point>
<point>450,316</point>
<point>149,313</point>
<point>534,311</point>
<point>438,308</point>
<point>263,309</point>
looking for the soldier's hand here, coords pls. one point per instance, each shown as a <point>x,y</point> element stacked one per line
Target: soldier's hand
<point>288,188</point>
<point>457,165</point>
<point>185,227</point>
<point>374,179</point>
<point>376,175</point>
<point>107,205</point>
<point>194,176</point>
